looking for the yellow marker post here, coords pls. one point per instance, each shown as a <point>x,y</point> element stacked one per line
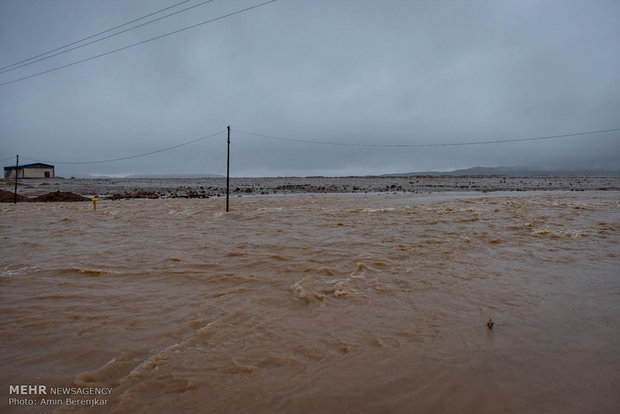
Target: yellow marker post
<point>94,203</point>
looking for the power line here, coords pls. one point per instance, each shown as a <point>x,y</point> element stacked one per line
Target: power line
<point>499,141</point>
<point>323,143</point>
<point>139,43</point>
<point>105,37</point>
<point>2,69</point>
<point>131,156</point>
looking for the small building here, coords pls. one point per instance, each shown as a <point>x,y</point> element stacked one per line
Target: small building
<point>36,170</point>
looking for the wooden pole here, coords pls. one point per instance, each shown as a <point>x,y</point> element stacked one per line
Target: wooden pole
<point>16,172</point>
<point>228,172</point>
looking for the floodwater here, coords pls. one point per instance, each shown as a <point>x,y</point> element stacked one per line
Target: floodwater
<point>334,303</point>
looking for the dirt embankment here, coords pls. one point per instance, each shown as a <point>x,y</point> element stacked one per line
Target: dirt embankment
<point>9,197</point>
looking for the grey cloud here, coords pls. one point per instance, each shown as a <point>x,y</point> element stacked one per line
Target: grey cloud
<point>346,71</point>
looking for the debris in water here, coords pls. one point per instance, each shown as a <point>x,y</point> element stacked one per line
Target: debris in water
<point>490,323</point>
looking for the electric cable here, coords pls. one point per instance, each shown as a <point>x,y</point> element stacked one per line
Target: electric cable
<point>138,43</point>
<point>130,156</point>
<point>321,142</point>
<point>2,69</point>
<point>105,37</point>
<point>499,141</point>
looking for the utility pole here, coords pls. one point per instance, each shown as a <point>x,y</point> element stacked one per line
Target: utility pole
<point>228,172</point>
<point>16,172</point>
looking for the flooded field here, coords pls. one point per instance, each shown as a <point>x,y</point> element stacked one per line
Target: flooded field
<point>124,188</point>
<point>307,303</point>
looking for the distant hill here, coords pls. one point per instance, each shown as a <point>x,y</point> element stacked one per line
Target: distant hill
<point>513,171</point>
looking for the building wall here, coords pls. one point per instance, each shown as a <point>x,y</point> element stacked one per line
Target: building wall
<point>11,173</point>
<point>38,172</point>
<point>32,173</point>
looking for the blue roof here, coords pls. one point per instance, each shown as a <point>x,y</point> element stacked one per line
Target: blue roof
<point>31,165</point>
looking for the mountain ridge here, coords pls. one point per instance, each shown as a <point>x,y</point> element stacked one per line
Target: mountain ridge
<point>512,172</point>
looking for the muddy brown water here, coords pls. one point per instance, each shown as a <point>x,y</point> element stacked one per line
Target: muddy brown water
<point>336,303</point>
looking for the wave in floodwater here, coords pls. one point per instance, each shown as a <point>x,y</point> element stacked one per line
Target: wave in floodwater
<point>318,303</point>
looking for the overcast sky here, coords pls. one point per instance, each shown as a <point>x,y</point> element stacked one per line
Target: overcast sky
<point>350,72</point>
